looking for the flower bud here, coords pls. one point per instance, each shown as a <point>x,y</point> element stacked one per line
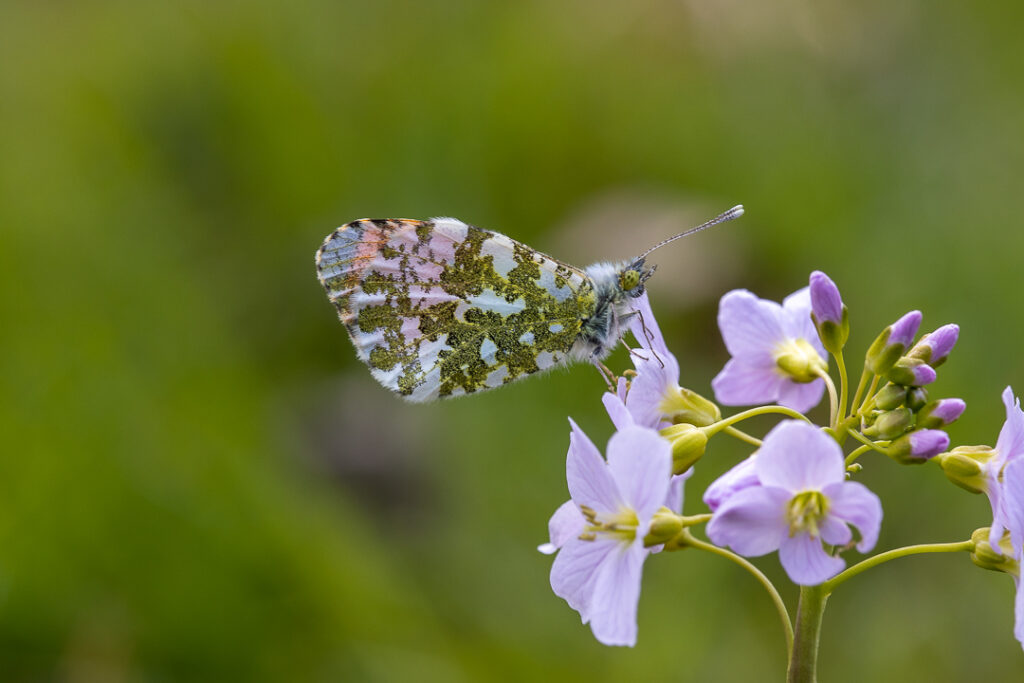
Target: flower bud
<point>917,398</point>
<point>940,413</point>
<point>917,447</point>
<point>892,423</point>
<point>892,343</point>
<point>891,396</point>
<point>685,406</point>
<point>665,525</point>
<point>987,557</point>
<point>828,312</point>
<point>934,348</point>
<point>688,445</point>
<point>911,372</point>
<point>964,466</point>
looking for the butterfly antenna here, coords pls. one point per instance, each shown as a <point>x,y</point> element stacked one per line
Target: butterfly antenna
<point>734,212</point>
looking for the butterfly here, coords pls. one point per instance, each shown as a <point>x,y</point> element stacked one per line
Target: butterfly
<point>440,308</point>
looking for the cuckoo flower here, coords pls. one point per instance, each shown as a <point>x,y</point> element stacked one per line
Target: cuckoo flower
<point>776,353</point>
<point>601,531</point>
<point>801,500</point>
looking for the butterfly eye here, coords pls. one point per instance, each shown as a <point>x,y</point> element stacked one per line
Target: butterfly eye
<point>628,279</point>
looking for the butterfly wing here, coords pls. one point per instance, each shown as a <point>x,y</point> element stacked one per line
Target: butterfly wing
<point>440,308</point>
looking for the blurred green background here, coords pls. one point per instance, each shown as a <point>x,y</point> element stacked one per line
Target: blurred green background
<point>200,482</point>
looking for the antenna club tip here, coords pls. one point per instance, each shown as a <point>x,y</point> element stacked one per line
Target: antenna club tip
<point>736,211</point>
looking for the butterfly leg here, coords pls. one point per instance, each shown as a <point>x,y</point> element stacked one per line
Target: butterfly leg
<point>606,374</point>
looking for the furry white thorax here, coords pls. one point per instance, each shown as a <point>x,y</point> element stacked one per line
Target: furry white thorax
<point>612,311</point>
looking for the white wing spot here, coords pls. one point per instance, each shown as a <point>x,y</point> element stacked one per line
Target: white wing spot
<point>526,338</point>
<point>497,377</point>
<point>488,349</point>
<point>556,327</point>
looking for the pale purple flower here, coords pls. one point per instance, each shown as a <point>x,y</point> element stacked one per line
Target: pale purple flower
<point>801,500</point>
<point>1009,448</point>
<point>826,303</point>
<point>601,530</point>
<point>762,336</point>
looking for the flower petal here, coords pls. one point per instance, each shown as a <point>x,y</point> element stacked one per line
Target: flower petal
<point>674,499</point>
<point>616,596</point>
<point>575,570</point>
<point>566,523</point>
<point>752,521</point>
<point>590,482</point>
<point>797,456</point>
<point>853,503</point>
<point>640,462</point>
<point>645,328</point>
<point>796,321</point>
<point>1013,504</point>
<point>751,327</point>
<point>741,383</point>
<point>1010,444</point>
<point>801,396</point>
<point>616,409</point>
<point>806,561</point>
<point>741,476</point>
<point>650,388</point>
<point>834,531</point>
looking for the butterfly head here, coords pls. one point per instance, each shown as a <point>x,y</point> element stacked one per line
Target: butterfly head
<point>633,276</point>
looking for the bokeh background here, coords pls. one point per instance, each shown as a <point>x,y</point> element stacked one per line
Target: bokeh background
<point>198,481</point>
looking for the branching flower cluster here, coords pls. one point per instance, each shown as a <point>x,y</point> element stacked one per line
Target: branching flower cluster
<point>796,494</point>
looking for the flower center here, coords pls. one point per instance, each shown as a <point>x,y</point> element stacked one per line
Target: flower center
<point>805,512</point>
<point>798,360</point>
<point>620,525</point>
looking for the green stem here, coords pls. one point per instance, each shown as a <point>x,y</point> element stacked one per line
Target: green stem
<point>869,396</point>
<point>833,412</point>
<point>875,446</point>
<point>742,436</point>
<point>803,662</point>
<point>713,429</point>
<point>780,606</point>
<point>880,558</point>
<point>861,386</point>
<point>844,387</point>
<point>857,452</point>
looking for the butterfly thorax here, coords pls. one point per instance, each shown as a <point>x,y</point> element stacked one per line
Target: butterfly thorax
<point>615,286</point>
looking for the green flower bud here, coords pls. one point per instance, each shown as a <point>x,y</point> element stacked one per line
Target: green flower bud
<point>665,525</point>
<point>684,406</point>
<point>986,557</point>
<point>892,343</point>
<point>916,399</point>
<point>890,397</point>
<point>893,423</point>
<point>963,466</point>
<point>688,445</point>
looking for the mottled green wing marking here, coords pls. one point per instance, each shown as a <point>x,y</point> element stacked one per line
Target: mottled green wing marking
<point>441,308</point>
